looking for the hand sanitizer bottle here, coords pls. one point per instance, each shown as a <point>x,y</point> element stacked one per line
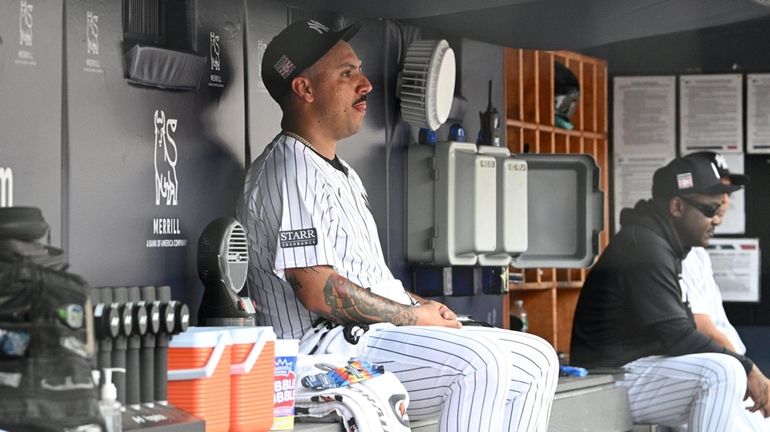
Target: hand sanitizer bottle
<point>109,406</point>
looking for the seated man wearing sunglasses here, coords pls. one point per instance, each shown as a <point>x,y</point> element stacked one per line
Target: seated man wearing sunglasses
<point>633,313</point>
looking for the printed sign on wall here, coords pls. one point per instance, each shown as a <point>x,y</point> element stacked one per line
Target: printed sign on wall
<point>711,113</point>
<point>215,61</point>
<point>26,56</point>
<point>92,43</point>
<point>166,230</point>
<point>757,116</point>
<point>6,187</point>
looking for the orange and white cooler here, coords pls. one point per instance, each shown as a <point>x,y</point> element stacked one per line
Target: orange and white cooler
<point>199,375</point>
<point>251,388</point>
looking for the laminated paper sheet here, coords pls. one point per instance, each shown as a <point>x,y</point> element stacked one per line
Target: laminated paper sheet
<point>644,115</point>
<point>711,113</point>
<point>633,180</point>
<point>757,113</point>
<point>736,268</point>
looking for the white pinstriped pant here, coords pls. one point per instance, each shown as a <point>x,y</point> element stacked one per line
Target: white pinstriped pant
<point>752,421</point>
<point>477,378</point>
<point>703,390</point>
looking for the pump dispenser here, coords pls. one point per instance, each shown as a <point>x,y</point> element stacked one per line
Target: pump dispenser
<point>109,407</point>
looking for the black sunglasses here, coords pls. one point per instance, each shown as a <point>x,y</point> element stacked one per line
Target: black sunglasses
<point>709,210</point>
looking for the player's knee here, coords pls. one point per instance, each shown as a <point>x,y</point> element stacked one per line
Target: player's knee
<point>543,354</point>
<point>490,362</point>
<point>552,357</point>
<point>737,373</point>
<point>728,372</point>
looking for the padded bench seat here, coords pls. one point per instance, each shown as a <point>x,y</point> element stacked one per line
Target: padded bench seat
<point>417,426</point>
<point>591,403</point>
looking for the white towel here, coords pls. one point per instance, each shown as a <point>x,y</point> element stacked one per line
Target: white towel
<point>378,404</point>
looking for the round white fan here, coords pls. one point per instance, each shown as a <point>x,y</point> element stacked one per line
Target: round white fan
<point>427,83</point>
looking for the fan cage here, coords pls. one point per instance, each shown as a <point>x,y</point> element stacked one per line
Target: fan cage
<point>428,69</point>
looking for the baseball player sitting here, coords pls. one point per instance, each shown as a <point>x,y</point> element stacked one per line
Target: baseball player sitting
<point>705,299</point>
<point>318,273</point>
<point>632,311</point>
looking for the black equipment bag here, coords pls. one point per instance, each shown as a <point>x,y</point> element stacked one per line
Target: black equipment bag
<point>46,345</point>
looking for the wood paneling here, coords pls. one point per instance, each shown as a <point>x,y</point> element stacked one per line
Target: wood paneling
<point>550,295</point>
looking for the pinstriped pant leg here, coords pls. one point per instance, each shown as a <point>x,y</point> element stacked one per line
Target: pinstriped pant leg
<point>704,390</point>
<point>470,377</point>
<point>748,421</point>
<point>535,373</point>
<point>448,373</point>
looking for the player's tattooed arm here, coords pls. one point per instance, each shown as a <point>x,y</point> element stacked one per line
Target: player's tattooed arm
<point>337,299</point>
<point>350,303</point>
<point>296,285</point>
<point>293,277</point>
<point>323,291</point>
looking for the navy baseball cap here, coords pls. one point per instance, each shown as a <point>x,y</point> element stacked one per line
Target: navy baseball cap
<point>687,175</point>
<point>724,170</point>
<point>296,48</point>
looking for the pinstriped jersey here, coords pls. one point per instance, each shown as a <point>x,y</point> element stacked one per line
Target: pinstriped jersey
<point>298,210</point>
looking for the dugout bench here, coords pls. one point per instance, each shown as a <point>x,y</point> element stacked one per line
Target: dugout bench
<point>588,404</point>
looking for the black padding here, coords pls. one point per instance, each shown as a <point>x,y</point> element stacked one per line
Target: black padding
<point>164,68</point>
<point>22,223</point>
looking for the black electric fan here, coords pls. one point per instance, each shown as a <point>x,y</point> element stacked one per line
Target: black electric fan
<point>223,261</point>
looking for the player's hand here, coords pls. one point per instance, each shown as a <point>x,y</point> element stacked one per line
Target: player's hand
<point>433,313</point>
<point>759,390</point>
<point>445,312</point>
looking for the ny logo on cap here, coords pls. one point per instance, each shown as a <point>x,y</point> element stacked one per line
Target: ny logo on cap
<point>721,161</point>
<point>315,25</point>
<point>714,168</point>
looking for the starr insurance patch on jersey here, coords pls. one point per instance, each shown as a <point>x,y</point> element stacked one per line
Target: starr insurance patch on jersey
<point>297,238</point>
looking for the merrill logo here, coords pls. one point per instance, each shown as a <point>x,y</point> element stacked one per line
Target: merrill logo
<point>25,23</point>
<point>6,187</point>
<point>92,33</point>
<point>166,184</point>
<point>297,238</point>
<point>214,51</point>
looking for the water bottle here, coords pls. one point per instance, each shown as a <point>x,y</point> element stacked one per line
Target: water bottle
<point>456,133</point>
<point>427,136</point>
<point>519,319</point>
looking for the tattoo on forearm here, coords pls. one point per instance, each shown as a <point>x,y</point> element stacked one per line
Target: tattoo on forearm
<point>294,282</point>
<point>296,285</point>
<point>350,303</point>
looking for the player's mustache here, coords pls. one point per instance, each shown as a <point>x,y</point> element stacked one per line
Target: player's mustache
<point>359,100</point>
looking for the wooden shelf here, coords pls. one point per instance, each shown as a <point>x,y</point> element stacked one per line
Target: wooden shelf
<point>529,286</point>
<point>554,129</point>
<point>549,294</point>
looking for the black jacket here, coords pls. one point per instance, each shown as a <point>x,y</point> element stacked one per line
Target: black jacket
<point>631,305</point>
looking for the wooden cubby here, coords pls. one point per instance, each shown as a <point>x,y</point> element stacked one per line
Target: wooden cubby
<point>549,294</point>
